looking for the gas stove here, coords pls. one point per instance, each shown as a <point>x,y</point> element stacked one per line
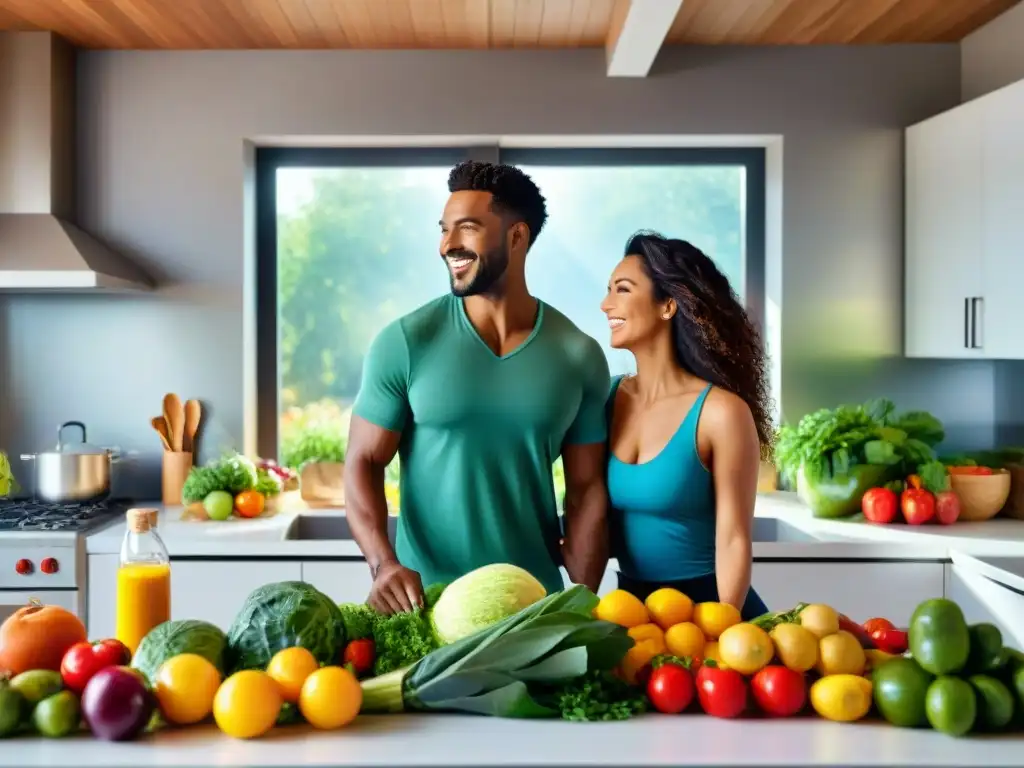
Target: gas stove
<point>29,515</point>
<point>43,551</point>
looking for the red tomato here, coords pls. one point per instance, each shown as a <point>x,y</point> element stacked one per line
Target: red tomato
<point>360,654</point>
<point>877,623</point>
<point>721,692</point>
<point>779,691</point>
<point>918,506</point>
<point>83,660</point>
<point>670,688</point>
<point>879,505</point>
<point>947,507</point>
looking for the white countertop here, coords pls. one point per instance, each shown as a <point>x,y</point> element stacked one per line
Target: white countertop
<point>439,740</point>
<point>266,536</point>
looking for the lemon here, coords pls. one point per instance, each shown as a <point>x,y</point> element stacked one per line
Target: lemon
<point>795,646</point>
<point>330,698</point>
<point>185,686</point>
<point>668,607</point>
<point>714,618</point>
<point>247,704</point>
<point>841,698</point>
<point>840,654</point>
<point>622,608</point>
<point>290,668</point>
<point>745,648</point>
<point>685,639</point>
<point>820,619</point>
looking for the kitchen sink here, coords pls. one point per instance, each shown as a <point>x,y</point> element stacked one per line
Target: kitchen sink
<point>315,526</point>
<point>770,529</point>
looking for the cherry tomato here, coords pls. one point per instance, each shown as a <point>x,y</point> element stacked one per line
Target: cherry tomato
<point>721,692</point>
<point>83,660</point>
<point>670,688</point>
<point>877,623</point>
<point>250,503</point>
<point>779,691</point>
<point>360,654</point>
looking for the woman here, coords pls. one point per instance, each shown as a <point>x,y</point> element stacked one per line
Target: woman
<point>687,432</point>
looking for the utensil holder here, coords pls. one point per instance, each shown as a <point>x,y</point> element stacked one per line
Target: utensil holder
<point>177,465</point>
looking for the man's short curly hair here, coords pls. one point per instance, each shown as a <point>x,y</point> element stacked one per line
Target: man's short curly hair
<point>514,192</point>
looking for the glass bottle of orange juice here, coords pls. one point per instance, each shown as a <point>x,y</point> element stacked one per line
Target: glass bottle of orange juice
<point>143,579</point>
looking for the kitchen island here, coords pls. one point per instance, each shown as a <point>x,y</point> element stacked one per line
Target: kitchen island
<point>458,740</point>
<point>861,569</point>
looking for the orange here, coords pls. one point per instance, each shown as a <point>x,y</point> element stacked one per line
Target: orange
<point>622,608</point>
<point>712,652</point>
<point>184,688</point>
<point>714,618</point>
<point>685,639</point>
<point>250,503</point>
<point>330,698</point>
<point>669,606</point>
<point>247,704</point>
<point>290,668</point>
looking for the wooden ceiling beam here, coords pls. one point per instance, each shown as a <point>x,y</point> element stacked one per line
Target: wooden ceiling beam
<point>636,34</point>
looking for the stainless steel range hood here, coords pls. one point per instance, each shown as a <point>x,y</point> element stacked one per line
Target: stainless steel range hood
<point>41,248</point>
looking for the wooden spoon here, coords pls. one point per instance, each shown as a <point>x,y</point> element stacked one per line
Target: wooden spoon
<point>175,415</point>
<point>193,415</point>
<point>160,425</point>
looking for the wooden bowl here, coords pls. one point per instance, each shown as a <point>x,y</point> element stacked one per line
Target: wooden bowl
<point>981,496</point>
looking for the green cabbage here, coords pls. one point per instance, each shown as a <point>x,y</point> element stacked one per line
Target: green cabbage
<point>284,615</point>
<point>172,638</point>
<point>482,598</point>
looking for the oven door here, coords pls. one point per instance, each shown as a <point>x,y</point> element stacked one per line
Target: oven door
<point>12,599</point>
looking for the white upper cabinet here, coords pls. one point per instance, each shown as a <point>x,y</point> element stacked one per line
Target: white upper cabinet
<point>965,231</point>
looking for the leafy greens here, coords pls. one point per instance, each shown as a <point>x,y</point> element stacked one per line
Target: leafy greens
<point>830,441</point>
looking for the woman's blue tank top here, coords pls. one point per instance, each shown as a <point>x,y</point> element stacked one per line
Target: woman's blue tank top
<point>663,511</point>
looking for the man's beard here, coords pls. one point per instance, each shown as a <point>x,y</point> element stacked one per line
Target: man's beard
<point>490,269</point>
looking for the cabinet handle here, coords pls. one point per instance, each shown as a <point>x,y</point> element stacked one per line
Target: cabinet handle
<point>977,339</point>
<point>967,323</point>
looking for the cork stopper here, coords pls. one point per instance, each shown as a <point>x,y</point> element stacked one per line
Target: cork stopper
<point>141,520</point>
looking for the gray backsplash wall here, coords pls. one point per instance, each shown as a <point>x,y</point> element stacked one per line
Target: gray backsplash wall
<point>991,58</point>
<point>161,161</point>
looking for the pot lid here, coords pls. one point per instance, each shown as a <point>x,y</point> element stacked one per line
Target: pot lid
<point>76,446</point>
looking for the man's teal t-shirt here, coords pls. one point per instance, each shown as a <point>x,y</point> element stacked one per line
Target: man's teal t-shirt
<point>480,434</point>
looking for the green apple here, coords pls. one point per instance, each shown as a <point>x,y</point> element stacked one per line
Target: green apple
<point>219,505</point>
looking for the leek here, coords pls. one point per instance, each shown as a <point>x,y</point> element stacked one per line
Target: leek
<point>508,669</point>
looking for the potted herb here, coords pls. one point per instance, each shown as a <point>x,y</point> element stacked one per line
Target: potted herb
<point>317,453</point>
<point>834,455</point>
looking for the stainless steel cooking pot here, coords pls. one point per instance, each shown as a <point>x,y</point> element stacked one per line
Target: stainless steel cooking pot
<point>74,472</point>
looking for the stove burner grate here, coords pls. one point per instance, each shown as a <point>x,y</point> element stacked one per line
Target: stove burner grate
<point>33,515</point>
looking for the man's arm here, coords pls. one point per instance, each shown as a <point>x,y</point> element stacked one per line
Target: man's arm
<point>380,413</point>
<point>585,550</point>
<point>370,450</point>
<point>736,456</point>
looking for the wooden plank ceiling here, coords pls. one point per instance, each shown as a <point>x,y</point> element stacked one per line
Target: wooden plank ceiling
<point>418,24</point>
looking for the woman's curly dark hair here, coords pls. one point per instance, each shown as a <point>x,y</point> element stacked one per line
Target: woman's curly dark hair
<point>713,335</point>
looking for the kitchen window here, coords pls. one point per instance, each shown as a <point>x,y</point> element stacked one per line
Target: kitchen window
<point>347,241</point>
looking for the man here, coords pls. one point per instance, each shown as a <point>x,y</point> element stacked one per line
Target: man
<point>479,392</point>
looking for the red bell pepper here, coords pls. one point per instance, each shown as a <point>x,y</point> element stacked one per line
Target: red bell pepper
<point>890,640</point>
<point>849,625</point>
